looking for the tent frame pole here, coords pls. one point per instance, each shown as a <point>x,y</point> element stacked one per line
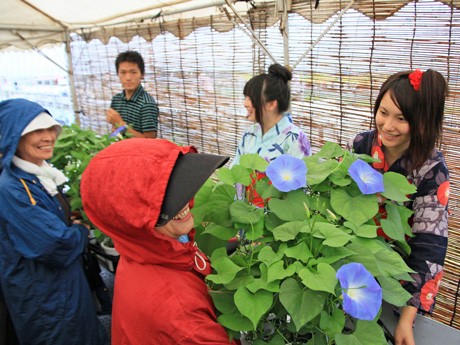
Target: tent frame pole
<point>71,76</point>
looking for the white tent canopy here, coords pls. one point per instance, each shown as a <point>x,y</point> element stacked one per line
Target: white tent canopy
<point>32,23</point>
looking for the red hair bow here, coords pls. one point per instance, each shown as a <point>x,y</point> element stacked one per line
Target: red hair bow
<point>415,78</point>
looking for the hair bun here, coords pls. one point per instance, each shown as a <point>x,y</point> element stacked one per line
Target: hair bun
<point>280,72</point>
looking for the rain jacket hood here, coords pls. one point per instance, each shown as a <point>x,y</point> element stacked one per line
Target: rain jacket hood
<point>160,296</point>
<point>15,115</point>
<point>123,189</point>
<point>41,272</point>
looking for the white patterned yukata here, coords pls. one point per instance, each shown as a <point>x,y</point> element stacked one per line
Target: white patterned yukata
<point>284,137</point>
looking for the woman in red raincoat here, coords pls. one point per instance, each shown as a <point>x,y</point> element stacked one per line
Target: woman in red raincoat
<point>137,191</point>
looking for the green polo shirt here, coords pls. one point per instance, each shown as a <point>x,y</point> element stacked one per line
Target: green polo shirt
<point>140,112</point>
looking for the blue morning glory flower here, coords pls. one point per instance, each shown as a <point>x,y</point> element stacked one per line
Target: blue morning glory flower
<point>369,180</point>
<point>287,173</point>
<point>118,132</point>
<point>362,295</point>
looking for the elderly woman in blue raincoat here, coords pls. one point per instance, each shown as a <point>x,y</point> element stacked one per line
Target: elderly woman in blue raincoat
<point>41,273</point>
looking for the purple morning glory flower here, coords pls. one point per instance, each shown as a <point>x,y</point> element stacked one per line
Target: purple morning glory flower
<point>369,180</point>
<point>362,295</point>
<point>287,173</point>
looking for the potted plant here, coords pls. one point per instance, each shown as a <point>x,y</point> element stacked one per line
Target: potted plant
<point>73,151</point>
<point>309,268</point>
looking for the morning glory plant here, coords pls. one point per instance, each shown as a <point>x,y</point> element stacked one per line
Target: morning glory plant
<point>308,267</point>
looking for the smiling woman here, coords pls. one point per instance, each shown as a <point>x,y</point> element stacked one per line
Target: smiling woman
<point>160,295</point>
<point>40,247</point>
<point>408,114</point>
<point>37,141</point>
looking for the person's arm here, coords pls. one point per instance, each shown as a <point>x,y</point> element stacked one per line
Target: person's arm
<point>36,232</point>
<point>149,118</point>
<point>114,118</point>
<point>428,246</point>
<point>404,334</point>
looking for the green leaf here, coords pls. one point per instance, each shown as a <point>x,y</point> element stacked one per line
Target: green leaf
<point>239,281</point>
<point>266,190</point>
<point>223,301</point>
<point>292,208</point>
<point>332,324</point>
<point>253,231</point>
<point>201,199</point>
<point>397,187</point>
<point>235,322</point>
<point>318,171</point>
<point>321,279</point>
<point>366,333</point>
<point>218,205</point>
<point>331,255</point>
<point>225,268</point>
<point>268,256</point>
<point>340,180</point>
<point>331,150</point>
<point>396,225</point>
<point>333,236</point>
<point>365,256</point>
<point>303,305</point>
<point>254,162</point>
<point>287,231</point>
<point>236,174</point>
<point>262,284</point>
<point>393,292</point>
<point>300,252</point>
<point>277,272</point>
<point>206,242</point>
<point>391,263</point>
<point>358,209</point>
<point>365,230</point>
<point>245,213</point>
<point>220,232</point>
<point>320,203</point>
<point>253,305</point>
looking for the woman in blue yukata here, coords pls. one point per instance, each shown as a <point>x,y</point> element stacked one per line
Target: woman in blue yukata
<point>267,100</point>
<point>408,116</point>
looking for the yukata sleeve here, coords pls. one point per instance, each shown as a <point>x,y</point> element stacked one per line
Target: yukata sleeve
<point>429,245</point>
<point>239,150</point>
<point>301,147</point>
<point>39,234</point>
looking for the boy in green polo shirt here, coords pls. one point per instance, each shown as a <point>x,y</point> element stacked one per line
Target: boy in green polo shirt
<point>133,110</point>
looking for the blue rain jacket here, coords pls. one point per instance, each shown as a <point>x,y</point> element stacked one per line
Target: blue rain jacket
<point>41,272</point>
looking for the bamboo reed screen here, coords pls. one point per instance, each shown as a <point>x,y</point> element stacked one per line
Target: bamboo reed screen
<point>196,70</point>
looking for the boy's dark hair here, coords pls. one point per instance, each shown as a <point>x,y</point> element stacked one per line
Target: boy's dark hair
<point>130,56</point>
<point>268,87</point>
<point>422,109</point>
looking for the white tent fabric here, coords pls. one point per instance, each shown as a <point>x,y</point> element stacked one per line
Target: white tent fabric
<point>32,23</point>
